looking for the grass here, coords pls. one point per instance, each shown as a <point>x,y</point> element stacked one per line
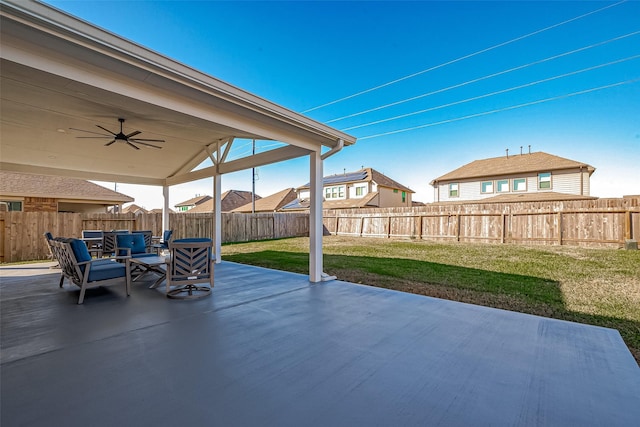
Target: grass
<point>594,286</point>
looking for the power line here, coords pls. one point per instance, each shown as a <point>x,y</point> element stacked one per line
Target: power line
<point>520,67</point>
<point>453,61</point>
<point>492,93</point>
<point>513,107</point>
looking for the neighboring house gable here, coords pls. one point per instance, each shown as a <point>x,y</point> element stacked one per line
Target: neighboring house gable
<point>191,203</point>
<point>505,178</point>
<point>134,209</point>
<point>272,203</point>
<point>43,193</point>
<point>364,188</point>
<point>229,200</point>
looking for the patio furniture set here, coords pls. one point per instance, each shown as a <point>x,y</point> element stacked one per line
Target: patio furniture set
<point>184,263</point>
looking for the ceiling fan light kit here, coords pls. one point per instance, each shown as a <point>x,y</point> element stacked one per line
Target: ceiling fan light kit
<point>121,137</point>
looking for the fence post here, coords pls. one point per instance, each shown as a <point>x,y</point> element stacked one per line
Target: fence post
<point>457,227</point>
<point>560,228</point>
<point>504,228</point>
<point>627,225</point>
<point>389,227</point>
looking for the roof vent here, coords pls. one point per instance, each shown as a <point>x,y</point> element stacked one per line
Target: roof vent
<point>507,150</point>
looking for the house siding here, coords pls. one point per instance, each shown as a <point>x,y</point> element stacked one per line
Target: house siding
<point>568,182</point>
<point>390,199</point>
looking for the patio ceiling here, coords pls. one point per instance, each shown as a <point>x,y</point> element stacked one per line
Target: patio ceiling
<point>58,73</point>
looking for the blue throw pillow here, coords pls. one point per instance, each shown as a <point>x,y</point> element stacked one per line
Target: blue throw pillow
<point>80,250</point>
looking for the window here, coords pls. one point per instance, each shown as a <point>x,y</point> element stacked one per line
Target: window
<point>520,184</point>
<point>503,186</point>
<point>359,191</point>
<point>453,190</point>
<point>12,206</point>
<point>395,190</point>
<point>404,196</point>
<point>544,181</point>
<point>336,192</point>
<point>487,187</point>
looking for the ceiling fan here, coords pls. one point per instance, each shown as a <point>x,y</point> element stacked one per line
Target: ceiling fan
<point>121,137</point>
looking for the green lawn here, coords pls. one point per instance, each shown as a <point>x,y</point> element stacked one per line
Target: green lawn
<point>595,286</point>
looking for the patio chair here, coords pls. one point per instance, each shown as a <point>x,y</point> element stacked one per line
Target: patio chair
<point>190,263</point>
<point>94,240</point>
<point>49,238</point>
<point>147,236</point>
<point>84,271</point>
<point>109,242</point>
<point>132,246</point>
<point>164,243</point>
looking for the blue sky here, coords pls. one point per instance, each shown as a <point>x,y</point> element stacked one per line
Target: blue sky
<point>306,54</point>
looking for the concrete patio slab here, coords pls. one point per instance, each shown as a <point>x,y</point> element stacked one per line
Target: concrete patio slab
<point>269,348</point>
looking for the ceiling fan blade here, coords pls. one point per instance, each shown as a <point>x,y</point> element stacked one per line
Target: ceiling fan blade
<point>146,145</point>
<point>105,129</point>
<point>88,131</point>
<point>94,137</point>
<point>133,134</point>
<point>109,143</point>
<point>148,140</point>
<point>133,146</point>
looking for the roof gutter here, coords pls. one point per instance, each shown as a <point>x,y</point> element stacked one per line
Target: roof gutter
<point>334,150</point>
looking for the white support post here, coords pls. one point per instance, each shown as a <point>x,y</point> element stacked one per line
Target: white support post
<point>217,217</point>
<point>315,218</point>
<point>165,208</point>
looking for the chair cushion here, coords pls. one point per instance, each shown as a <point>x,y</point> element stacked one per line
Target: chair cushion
<point>80,250</point>
<point>193,240</point>
<point>105,271</point>
<point>135,242</point>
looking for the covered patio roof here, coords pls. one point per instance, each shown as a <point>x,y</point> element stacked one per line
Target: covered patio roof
<point>60,73</point>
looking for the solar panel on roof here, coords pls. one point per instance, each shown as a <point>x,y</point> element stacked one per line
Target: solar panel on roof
<point>343,177</point>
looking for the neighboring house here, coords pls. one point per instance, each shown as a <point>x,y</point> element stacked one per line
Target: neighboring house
<point>134,209</point>
<point>272,203</point>
<point>42,193</point>
<point>158,211</point>
<point>191,203</point>
<point>524,177</point>
<point>366,188</point>
<point>229,200</point>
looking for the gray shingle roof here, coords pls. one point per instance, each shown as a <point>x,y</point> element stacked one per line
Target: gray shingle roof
<point>270,203</point>
<point>56,187</point>
<point>363,175</point>
<point>524,163</point>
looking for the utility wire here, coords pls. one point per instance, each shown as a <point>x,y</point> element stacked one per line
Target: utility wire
<point>520,67</point>
<point>453,61</point>
<point>513,107</point>
<point>492,93</point>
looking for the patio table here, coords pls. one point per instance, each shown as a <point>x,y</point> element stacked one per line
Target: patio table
<point>151,264</point>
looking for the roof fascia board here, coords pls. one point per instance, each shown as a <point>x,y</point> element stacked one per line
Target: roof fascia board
<point>62,25</point>
<point>39,170</point>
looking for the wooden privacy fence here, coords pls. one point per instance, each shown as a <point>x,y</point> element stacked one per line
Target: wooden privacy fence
<point>21,233</point>
<point>601,222</point>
